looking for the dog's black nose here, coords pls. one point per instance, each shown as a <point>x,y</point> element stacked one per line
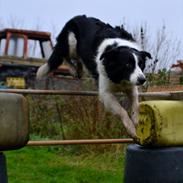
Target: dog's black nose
<point>141,80</point>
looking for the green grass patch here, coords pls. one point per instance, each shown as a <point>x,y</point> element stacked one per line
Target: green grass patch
<point>47,165</point>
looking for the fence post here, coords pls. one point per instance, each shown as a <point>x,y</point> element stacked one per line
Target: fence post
<point>3,169</point>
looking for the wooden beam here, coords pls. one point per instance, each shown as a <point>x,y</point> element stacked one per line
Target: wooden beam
<point>77,142</point>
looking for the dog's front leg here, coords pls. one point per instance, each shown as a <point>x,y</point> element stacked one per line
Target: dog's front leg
<point>132,94</point>
<point>114,106</point>
<point>135,105</point>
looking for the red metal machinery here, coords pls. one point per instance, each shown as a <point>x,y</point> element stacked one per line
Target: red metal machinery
<point>21,53</point>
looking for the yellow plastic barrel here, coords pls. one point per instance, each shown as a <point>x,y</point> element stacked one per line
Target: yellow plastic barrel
<point>160,123</point>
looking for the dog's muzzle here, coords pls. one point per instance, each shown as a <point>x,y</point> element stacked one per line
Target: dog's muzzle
<point>141,80</point>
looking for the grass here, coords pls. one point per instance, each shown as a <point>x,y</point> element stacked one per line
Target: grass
<point>47,165</point>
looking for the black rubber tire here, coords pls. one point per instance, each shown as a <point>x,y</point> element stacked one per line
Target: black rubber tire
<point>156,165</point>
<point>3,169</point>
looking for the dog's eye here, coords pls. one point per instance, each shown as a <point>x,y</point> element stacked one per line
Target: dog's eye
<point>128,65</point>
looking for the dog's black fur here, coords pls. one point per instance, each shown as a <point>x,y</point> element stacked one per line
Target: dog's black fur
<point>89,33</point>
<point>109,53</point>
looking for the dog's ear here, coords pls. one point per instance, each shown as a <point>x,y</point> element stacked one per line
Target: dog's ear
<point>145,55</point>
<point>109,54</point>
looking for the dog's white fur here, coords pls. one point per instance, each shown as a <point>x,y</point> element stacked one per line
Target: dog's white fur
<point>137,72</point>
<point>42,71</point>
<point>106,87</point>
<point>72,44</point>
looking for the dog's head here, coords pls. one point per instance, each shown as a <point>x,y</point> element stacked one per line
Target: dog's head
<point>125,63</point>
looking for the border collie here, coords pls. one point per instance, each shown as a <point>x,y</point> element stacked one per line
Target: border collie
<point>110,54</point>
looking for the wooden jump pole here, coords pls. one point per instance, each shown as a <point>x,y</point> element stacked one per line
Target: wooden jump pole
<point>79,142</point>
<point>145,96</point>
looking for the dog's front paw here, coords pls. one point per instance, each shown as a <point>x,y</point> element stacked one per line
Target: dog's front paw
<point>132,132</point>
<point>130,127</point>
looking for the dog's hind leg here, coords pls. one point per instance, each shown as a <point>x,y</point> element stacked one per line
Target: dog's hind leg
<point>55,60</point>
<point>79,69</point>
<point>76,67</point>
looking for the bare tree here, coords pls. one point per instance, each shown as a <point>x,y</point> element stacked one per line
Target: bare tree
<point>164,48</point>
<point>1,23</point>
<point>15,22</point>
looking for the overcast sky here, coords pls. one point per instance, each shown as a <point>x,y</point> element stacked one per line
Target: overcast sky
<point>54,13</point>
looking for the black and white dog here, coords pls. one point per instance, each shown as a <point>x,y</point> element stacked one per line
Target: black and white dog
<point>112,57</point>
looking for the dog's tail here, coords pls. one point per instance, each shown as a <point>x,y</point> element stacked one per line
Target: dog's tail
<point>55,60</point>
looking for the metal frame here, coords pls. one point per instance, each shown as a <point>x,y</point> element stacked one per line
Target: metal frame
<point>147,95</point>
<point>144,96</point>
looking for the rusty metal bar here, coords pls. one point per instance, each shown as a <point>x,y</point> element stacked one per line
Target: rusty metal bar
<point>144,95</point>
<point>50,92</point>
<point>77,142</point>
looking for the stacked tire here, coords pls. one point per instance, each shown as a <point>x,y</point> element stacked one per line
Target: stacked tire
<point>153,165</point>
